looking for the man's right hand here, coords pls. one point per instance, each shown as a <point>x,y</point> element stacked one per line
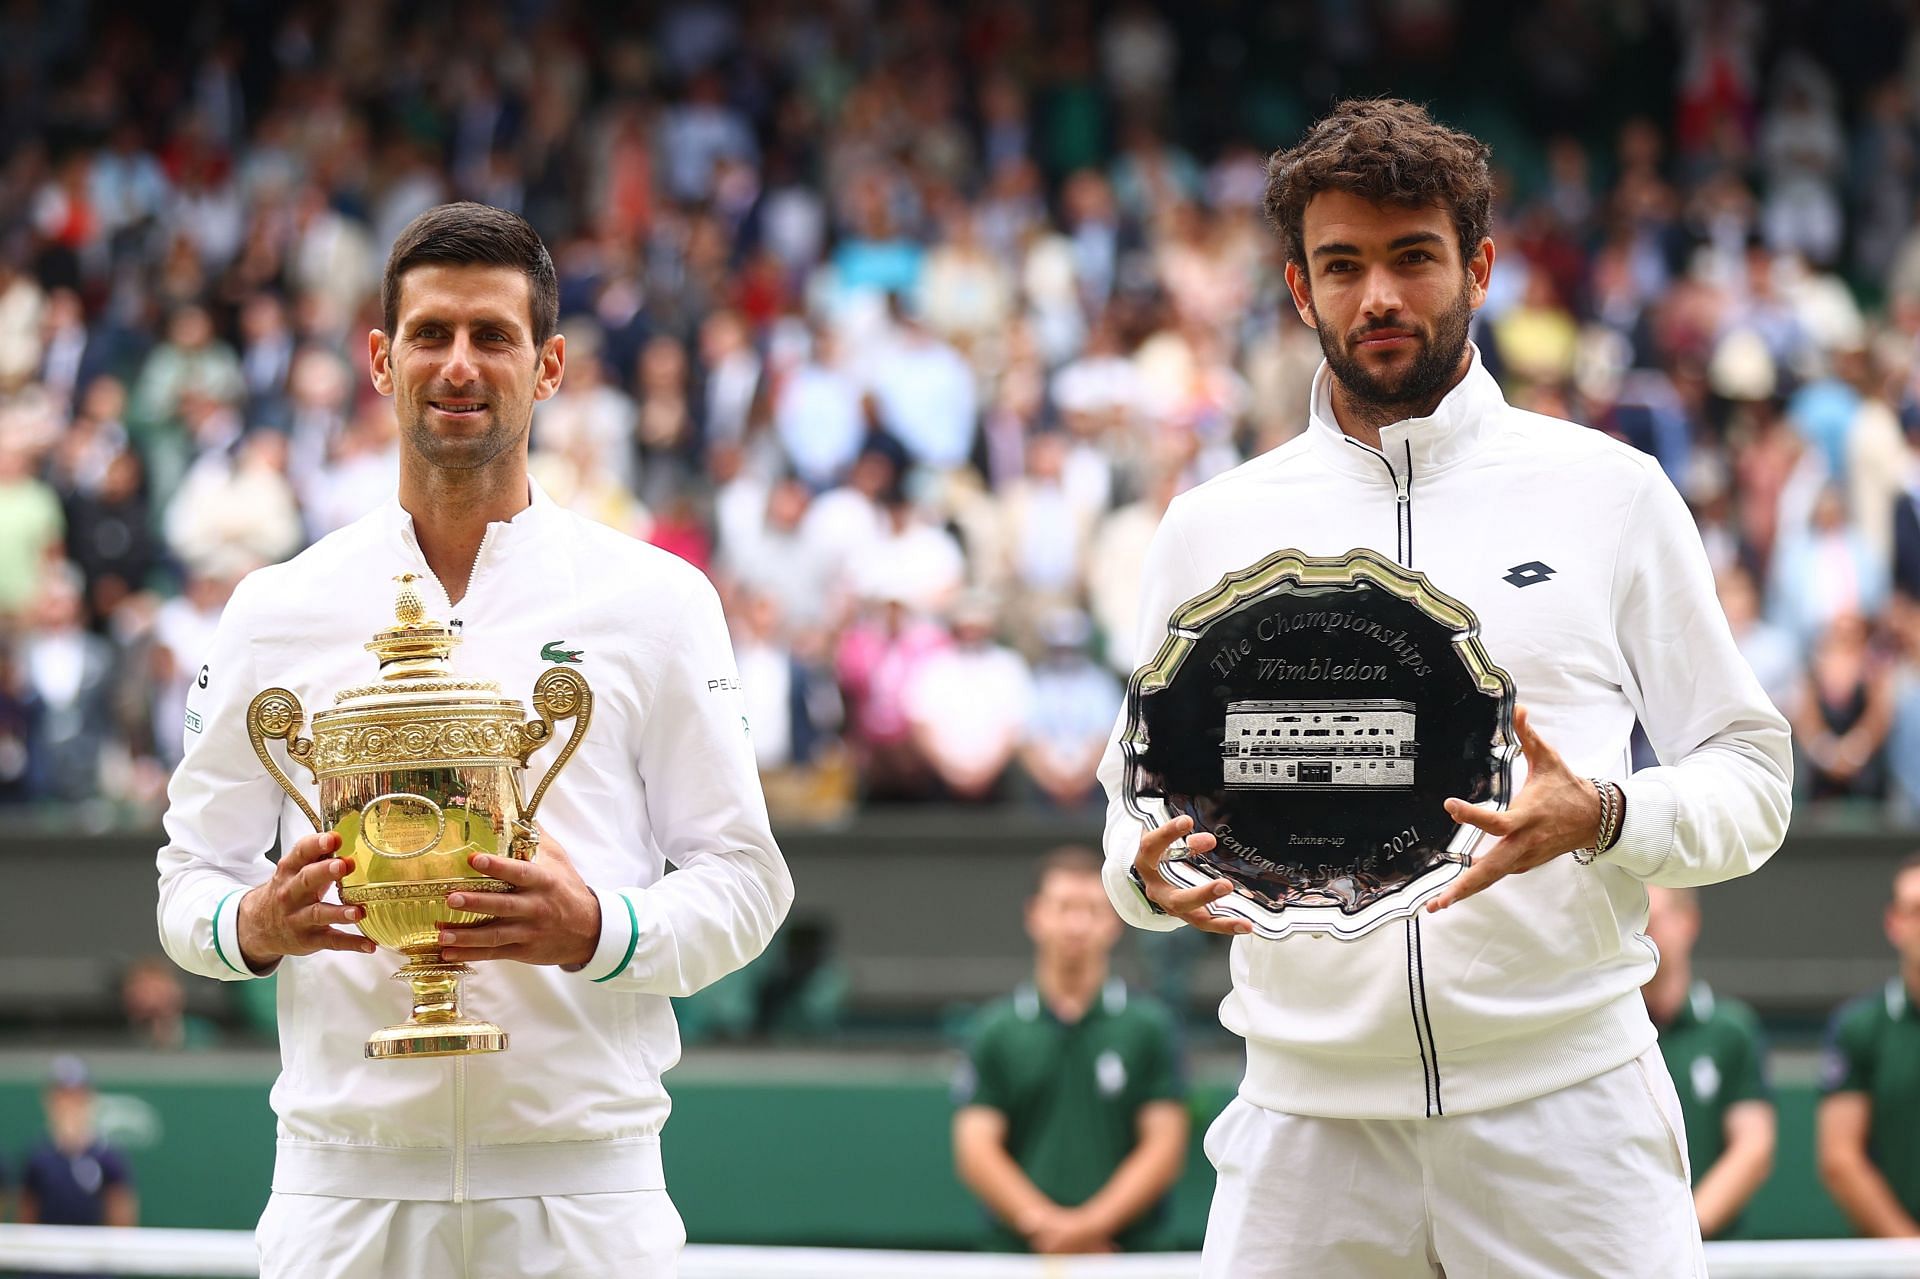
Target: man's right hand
<point>1189,905</point>
<point>288,915</point>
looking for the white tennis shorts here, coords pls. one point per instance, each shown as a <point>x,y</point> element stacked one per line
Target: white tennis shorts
<point>1590,1182</point>
<point>635,1235</point>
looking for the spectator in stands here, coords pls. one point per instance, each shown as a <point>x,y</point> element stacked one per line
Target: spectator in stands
<point>732,371</point>
<point>183,631</point>
<point>193,360</point>
<point>1843,713</point>
<point>73,1177</point>
<point>69,672</point>
<point>968,705</point>
<point>879,659</point>
<point>31,528</point>
<point>1906,525</point>
<point>818,415</point>
<point>19,728</point>
<point>1714,1052</point>
<point>591,417</point>
<point>236,502</point>
<point>789,706</point>
<point>1113,576</point>
<point>1071,1128</point>
<point>110,535</point>
<point>1074,701</point>
<point>1903,740</point>
<point>1868,1126</point>
<point>1825,570</point>
<point>1046,530</point>
<point>911,553</point>
<point>926,393</point>
<point>1769,650</point>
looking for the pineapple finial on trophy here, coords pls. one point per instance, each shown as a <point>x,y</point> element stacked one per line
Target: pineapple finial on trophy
<point>408,608</point>
<point>416,646</point>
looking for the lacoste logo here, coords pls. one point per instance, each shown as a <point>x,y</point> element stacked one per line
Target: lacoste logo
<point>554,653</point>
<point>1529,573</point>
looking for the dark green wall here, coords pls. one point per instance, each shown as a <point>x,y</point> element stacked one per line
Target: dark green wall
<point>859,1160</point>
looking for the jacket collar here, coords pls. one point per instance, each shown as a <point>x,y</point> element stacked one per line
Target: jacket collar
<point>397,521</point>
<point>502,536</point>
<point>1697,1008</point>
<point>1413,446</point>
<point>1028,1006</point>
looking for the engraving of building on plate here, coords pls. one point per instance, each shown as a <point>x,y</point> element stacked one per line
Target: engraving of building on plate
<point>1332,744</point>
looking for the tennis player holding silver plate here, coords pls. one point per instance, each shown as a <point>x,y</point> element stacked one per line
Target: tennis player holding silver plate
<point>1314,715</point>
<point>1388,676</point>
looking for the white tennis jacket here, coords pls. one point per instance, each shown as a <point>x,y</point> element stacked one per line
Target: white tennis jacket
<point>1594,593</point>
<point>665,774</point>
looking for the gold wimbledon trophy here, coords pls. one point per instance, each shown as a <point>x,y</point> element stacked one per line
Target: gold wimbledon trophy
<point>417,773</point>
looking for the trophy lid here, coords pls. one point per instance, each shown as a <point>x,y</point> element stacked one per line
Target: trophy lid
<point>413,654</point>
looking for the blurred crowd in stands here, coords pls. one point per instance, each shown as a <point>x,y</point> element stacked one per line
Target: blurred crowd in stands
<point>905,322</point>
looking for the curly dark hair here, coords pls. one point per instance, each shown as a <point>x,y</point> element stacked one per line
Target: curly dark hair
<point>1390,152</point>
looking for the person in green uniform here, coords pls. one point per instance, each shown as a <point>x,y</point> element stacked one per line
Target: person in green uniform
<point>1868,1128</point>
<point>1071,1126</point>
<point>1714,1052</point>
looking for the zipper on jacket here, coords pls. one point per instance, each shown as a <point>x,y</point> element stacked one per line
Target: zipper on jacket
<point>473,572</point>
<point>1403,504</point>
<point>1416,962</point>
<point>1416,957</point>
<point>459,1130</point>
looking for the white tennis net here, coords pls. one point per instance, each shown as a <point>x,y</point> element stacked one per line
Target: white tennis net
<point>228,1254</point>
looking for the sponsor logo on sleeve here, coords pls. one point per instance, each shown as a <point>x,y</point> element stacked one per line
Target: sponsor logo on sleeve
<point>194,722</point>
<point>202,681</point>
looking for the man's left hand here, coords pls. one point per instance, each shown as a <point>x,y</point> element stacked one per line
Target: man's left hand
<point>1068,1231</point>
<point>1555,812</point>
<point>550,917</point>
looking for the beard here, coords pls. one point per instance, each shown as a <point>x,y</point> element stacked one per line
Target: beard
<point>1433,367</point>
<point>464,452</point>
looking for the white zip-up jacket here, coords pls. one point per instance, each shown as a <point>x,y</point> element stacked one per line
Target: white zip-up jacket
<point>1534,983</point>
<point>664,774</point>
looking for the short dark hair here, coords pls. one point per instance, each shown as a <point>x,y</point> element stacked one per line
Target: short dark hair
<point>469,234</point>
<point>1071,859</point>
<point>1388,151</point>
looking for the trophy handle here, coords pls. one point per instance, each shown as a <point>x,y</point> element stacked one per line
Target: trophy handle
<point>276,715</point>
<point>559,694</point>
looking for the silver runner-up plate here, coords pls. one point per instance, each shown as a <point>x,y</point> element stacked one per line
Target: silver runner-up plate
<point>1313,714</point>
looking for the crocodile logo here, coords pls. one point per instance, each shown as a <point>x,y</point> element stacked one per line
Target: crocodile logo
<point>554,653</point>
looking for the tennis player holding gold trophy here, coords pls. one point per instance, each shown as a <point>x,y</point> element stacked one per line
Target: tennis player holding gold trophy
<point>418,771</point>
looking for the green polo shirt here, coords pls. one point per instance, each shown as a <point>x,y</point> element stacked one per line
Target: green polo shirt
<point>1071,1093</point>
<point>1715,1054</point>
<point>1873,1047</point>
